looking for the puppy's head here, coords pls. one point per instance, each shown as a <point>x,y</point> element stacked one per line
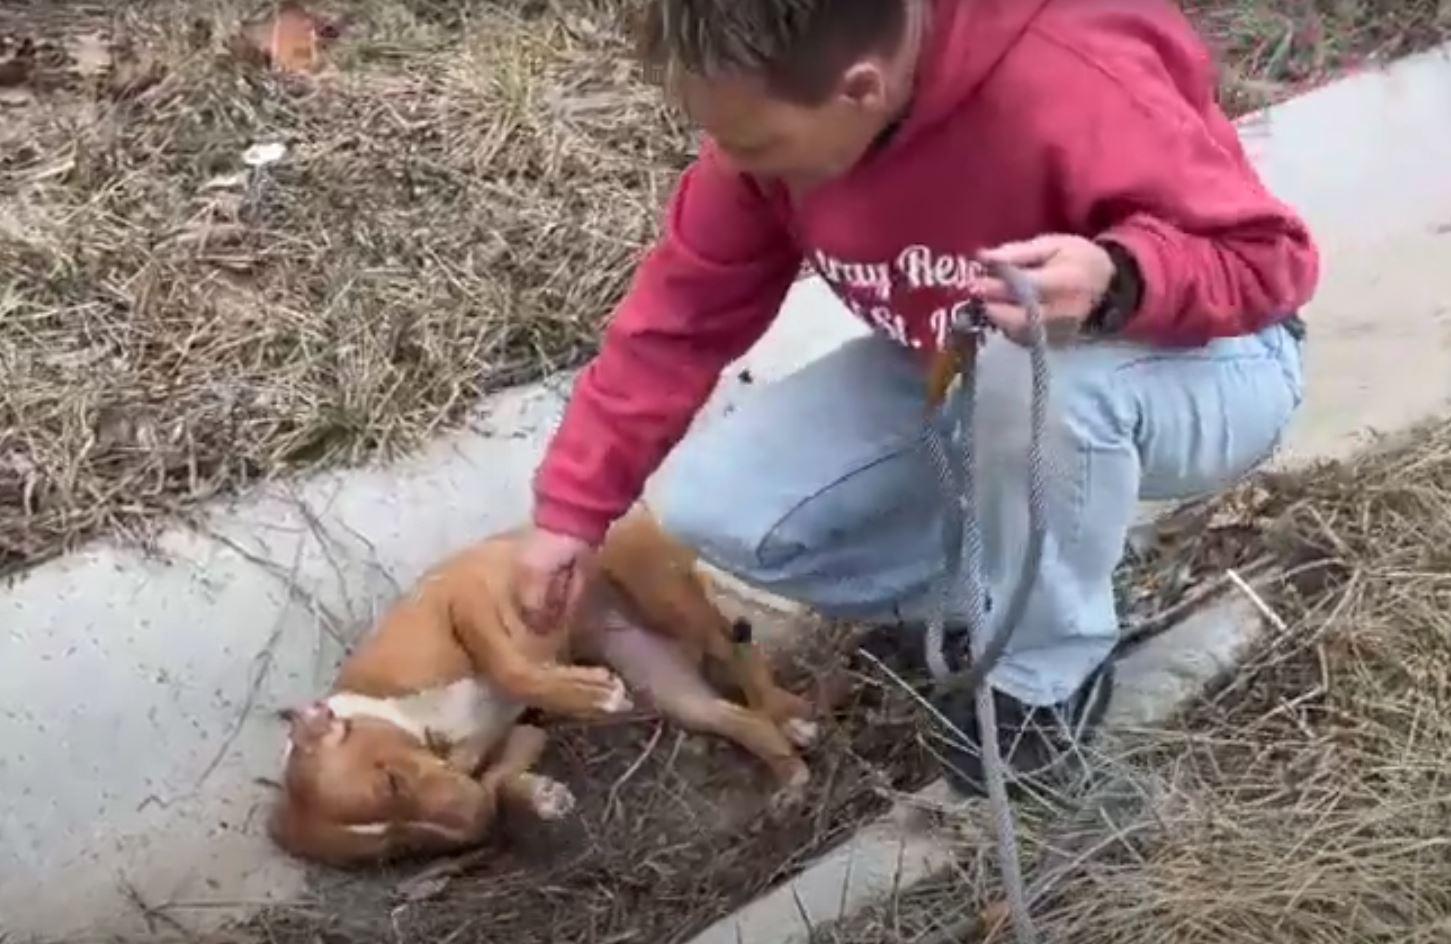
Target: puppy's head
<point>360,790</point>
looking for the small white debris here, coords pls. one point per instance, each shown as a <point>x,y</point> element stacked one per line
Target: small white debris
<point>260,155</point>
<point>16,97</point>
<point>226,182</point>
<point>92,55</point>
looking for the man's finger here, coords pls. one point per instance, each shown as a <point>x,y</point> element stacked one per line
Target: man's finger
<point>1049,282</point>
<point>539,602</point>
<point>1025,255</point>
<point>995,291</point>
<point>1011,320</point>
<point>557,596</point>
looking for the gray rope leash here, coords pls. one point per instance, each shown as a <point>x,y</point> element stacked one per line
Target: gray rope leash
<point>954,458</point>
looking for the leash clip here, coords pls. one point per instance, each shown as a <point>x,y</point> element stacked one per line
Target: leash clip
<point>968,321</point>
<point>967,327</point>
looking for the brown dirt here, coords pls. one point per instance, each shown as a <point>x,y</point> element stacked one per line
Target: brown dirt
<point>459,209</point>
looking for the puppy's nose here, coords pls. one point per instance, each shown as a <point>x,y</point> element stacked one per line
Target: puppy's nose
<point>312,722</point>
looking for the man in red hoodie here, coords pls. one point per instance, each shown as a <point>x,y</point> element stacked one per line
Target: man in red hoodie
<point>895,146</point>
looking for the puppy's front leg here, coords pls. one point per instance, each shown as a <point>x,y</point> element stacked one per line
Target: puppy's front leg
<point>577,691</point>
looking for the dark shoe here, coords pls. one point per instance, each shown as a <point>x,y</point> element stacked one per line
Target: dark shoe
<point>901,647</point>
<point>1037,743</point>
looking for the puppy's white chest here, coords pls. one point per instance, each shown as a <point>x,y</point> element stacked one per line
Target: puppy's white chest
<point>466,710</point>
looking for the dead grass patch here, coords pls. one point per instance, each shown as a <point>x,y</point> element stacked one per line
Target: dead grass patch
<point>1306,800</point>
<point>458,206</point>
<point>1272,50</point>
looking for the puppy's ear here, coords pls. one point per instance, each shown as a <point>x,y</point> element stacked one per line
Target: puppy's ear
<point>312,838</point>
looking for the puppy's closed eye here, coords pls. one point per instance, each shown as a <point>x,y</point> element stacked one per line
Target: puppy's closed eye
<point>436,743</point>
<point>393,781</point>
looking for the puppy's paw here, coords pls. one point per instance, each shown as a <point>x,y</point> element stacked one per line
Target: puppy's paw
<point>792,791</point>
<point>801,732</point>
<point>550,799</point>
<point>598,691</point>
<point>617,701</point>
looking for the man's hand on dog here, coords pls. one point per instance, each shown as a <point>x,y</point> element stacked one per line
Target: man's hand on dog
<point>554,571</point>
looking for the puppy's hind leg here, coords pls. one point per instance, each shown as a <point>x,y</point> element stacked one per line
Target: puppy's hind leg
<point>750,729</point>
<point>736,652</point>
<point>653,665</point>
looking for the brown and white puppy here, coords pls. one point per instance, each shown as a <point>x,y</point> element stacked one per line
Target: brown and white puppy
<point>418,745</point>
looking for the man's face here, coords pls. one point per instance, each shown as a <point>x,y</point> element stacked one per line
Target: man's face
<point>802,146</point>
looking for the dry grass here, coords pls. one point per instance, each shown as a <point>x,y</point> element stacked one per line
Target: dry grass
<point>458,211</point>
<point>460,204</point>
<point>1271,49</point>
<point>1305,801</point>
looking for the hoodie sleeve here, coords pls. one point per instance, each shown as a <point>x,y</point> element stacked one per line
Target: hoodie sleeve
<point>701,298</point>
<point>1147,159</point>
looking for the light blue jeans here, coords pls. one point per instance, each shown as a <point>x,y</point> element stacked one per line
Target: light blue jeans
<point>816,488</point>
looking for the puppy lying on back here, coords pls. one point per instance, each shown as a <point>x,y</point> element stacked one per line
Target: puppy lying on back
<point>419,745</point>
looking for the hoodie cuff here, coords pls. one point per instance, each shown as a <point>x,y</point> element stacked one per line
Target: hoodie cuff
<point>1151,321</point>
<point>557,518</point>
<point>1124,296</point>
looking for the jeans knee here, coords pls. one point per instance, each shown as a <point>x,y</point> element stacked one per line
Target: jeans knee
<point>680,510</point>
<point>1084,409</point>
<point>692,507</point>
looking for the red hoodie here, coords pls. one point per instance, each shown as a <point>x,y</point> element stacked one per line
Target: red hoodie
<point>1094,117</point>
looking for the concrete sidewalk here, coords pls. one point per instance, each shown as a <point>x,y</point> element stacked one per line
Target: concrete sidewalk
<point>136,692</point>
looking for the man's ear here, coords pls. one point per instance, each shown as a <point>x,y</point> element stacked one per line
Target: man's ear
<point>864,86</point>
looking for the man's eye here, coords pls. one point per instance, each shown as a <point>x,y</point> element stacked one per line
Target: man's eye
<point>395,783</point>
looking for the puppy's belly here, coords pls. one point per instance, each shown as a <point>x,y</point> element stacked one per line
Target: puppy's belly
<point>467,710</point>
<point>649,664</point>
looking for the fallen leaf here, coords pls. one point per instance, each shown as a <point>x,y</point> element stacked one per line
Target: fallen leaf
<point>91,54</point>
<point>16,69</point>
<point>14,72</point>
<point>291,39</point>
<point>994,918</point>
<point>134,74</point>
